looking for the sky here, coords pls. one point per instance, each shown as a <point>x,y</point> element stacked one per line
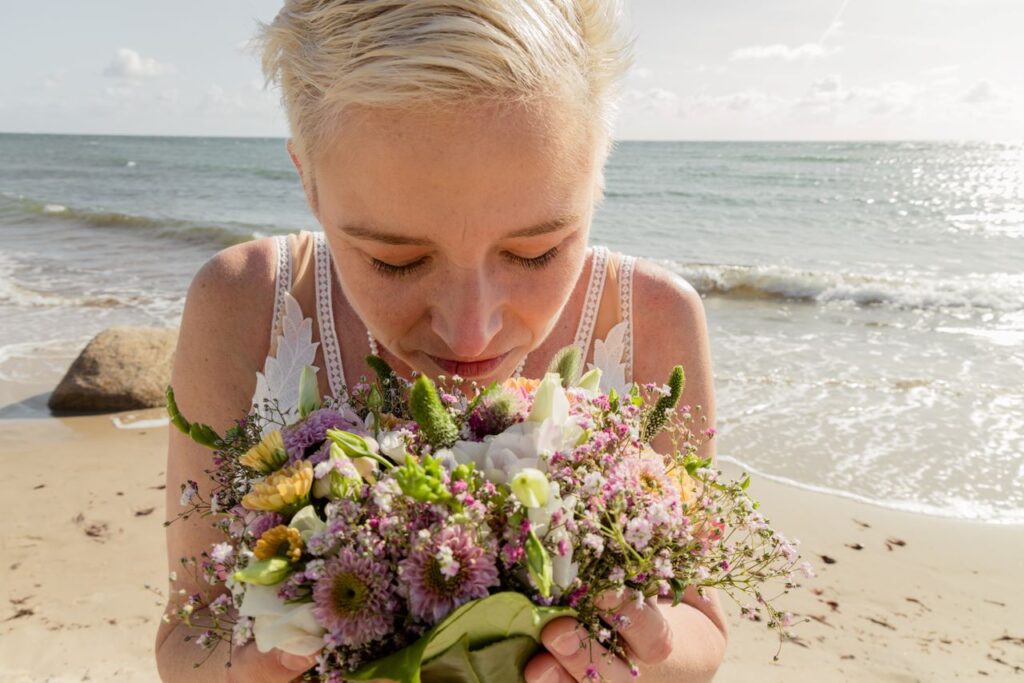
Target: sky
<point>705,69</point>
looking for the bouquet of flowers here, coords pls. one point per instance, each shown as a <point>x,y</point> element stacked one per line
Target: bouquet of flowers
<point>416,530</point>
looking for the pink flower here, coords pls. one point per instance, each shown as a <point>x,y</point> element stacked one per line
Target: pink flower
<point>432,592</point>
<point>355,599</point>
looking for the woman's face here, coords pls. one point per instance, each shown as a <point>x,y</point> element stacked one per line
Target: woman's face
<point>459,237</point>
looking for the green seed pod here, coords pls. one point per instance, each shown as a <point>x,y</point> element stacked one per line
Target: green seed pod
<point>437,425</point>
<point>567,364</point>
<point>654,419</point>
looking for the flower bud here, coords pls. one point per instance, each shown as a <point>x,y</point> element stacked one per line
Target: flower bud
<point>531,487</point>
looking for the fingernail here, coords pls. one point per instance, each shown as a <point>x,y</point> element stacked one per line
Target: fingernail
<point>294,662</point>
<point>549,675</point>
<point>566,644</point>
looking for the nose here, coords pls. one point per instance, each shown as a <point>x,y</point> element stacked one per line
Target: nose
<point>468,313</point>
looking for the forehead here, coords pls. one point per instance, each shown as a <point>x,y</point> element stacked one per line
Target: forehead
<point>418,171</point>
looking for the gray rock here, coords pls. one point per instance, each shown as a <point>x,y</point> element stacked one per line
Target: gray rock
<point>121,368</point>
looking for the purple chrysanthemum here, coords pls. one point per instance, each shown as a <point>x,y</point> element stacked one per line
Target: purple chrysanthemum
<point>311,433</point>
<point>444,571</point>
<point>355,599</point>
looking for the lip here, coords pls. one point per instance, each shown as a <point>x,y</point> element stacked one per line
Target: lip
<point>469,369</point>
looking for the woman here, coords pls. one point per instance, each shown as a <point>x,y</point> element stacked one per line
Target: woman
<point>453,153</point>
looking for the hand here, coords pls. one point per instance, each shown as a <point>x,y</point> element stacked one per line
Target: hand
<point>570,657</point>
<point>276,666</point>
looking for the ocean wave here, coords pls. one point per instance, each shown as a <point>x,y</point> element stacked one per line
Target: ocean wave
<point>956,509</point>
<point>991,291</point>
<point>219,235</point>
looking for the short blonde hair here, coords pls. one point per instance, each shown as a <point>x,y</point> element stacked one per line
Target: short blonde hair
<point>329,55</point>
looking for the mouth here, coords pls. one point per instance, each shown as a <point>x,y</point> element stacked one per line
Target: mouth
<point>469,369</point>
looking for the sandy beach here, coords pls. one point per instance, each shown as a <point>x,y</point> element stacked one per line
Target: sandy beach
<point>898,596</point>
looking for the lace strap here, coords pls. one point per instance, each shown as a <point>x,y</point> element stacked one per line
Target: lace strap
<point>626,310</point>
<point>282,283</point>
<point>592,301</point>
<point>325,317</point>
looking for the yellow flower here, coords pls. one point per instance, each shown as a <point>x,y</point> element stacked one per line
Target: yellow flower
<point>284,491</point>
<point>281,541</point>
<point>524,385</point>
<point>266,456</point>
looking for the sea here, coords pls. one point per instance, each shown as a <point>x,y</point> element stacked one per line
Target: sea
<point>865,300</point>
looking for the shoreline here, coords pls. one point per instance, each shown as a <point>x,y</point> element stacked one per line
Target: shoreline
<point>923,598</point>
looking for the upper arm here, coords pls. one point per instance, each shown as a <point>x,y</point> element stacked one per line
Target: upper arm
<point>223,339</point>
<point>670,328</point>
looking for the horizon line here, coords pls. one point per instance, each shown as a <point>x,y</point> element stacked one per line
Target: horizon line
<point>738,139</point>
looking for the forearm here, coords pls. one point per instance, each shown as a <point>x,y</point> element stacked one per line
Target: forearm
<point>698,646</point>
<point>176,658</point>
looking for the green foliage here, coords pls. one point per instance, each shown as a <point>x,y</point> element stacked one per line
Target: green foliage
<point>309,392</point>
<point>567,364</point>
<point>392,398</point>
<point>538,562</point>
<point>655,417</point>
<point>200,433</point>
<point>436,424</point>
<point>484,640</point>
<point>264,572</point>
<point>424,481</point>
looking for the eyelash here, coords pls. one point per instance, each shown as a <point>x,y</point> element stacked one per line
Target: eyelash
<point>530,263</point>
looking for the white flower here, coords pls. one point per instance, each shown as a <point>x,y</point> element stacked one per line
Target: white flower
<point>276,624</point>
<point>221,552</point>
<point>548,428</point>
<point>638,532</point>
<point>594,542</point>
<point>392,444</point>
<point>531,487</point>
<point>446,561</point>
<point>188,491</point>
<point>307,522</point>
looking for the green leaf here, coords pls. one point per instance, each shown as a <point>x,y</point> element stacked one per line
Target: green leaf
<point>678,589</point>
<point>309,391</point>
<point>482,625</point>
<point>204,435</point>
<point>538,562</point>
<point>499,662</point>
<point>177,419</point>
<point>590,381</point>
<point>264,572</point>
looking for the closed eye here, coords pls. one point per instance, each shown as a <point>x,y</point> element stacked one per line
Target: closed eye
<point>534,262</point>
<point>398,271</point>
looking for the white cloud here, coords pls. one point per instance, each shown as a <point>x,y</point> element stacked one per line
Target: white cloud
<point>642,73</point>
<point>981,92</point>
<point>128,63</point>
<point>941,70</point>
<point>650,99</point>
<point>784,52</point>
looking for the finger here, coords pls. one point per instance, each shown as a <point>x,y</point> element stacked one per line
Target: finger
<point>250,665</point>
<point>583,658</point>
<point>644,628</point>
<point>544,668</point>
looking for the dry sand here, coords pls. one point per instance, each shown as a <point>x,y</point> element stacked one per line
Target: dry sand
<point>901,597</point>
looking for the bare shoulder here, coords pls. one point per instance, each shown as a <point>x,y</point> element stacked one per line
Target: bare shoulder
<point>669,320</point>
<point>225,328</point>
<point>670,328</point>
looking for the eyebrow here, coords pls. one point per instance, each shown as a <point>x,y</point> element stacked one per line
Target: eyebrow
<point>365,232</point>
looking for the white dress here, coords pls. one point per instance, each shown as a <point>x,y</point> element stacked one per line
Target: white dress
<point>292,332</point>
